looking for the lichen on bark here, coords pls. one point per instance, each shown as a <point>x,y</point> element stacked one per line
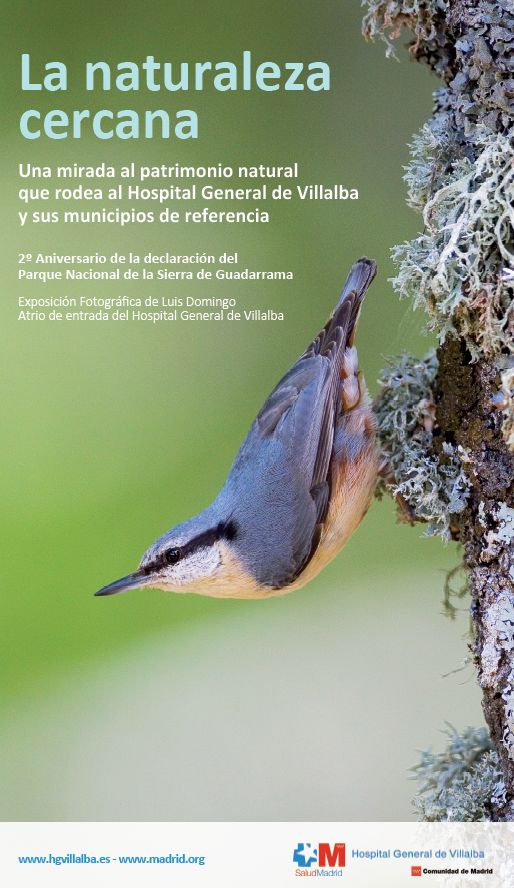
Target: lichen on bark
<point>463,783</point>
<point>455,425</point>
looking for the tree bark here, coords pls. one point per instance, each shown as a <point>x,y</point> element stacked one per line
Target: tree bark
<point>464,414</point>
<point>462,270</point>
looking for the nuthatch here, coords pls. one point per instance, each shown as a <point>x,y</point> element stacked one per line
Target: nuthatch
<point>300,485</point>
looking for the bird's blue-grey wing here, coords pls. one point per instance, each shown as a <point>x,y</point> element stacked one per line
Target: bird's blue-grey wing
<point>280,479</point>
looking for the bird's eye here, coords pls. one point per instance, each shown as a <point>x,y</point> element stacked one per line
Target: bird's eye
<point>171,556</point>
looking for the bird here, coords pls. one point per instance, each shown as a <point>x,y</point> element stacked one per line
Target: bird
<point>299,486</point>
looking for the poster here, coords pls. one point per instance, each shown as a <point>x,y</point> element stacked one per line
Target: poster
<point>185,190</point>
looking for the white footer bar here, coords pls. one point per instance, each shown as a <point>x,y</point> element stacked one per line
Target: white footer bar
<point>251,855</point>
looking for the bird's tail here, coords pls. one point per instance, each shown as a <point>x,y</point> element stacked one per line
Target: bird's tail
<point>339,330</point>
<point>360,277</point>
<point>347,310</point>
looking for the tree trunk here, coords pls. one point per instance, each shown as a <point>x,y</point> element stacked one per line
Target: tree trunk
<point>450,435</point>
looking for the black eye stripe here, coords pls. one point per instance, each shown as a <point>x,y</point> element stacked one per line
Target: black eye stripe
<point>229,530</point>
<point>225,530</point>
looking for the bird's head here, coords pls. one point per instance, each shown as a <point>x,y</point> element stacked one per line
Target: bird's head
<point>197,556</point>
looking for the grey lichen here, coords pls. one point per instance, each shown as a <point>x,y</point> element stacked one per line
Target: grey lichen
<point>498,524</point>
<point>461,176</point>
<point>508,699</point>
<point>432,154</point>
<point>476,63</point>
<point>506,402</point>
<point>498,640</point>
<point>435,487</point>
<point>461,269</point>
<point>463,783</point>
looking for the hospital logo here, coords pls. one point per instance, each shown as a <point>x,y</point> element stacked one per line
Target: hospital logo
<point>320,859</point>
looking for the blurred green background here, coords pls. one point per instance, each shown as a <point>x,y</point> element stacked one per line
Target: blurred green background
<point>152,706</point>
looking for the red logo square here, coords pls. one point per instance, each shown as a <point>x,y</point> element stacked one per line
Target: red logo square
<point>415,870</point>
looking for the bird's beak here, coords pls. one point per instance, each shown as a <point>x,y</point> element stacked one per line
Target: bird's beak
<point>134,581</point>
